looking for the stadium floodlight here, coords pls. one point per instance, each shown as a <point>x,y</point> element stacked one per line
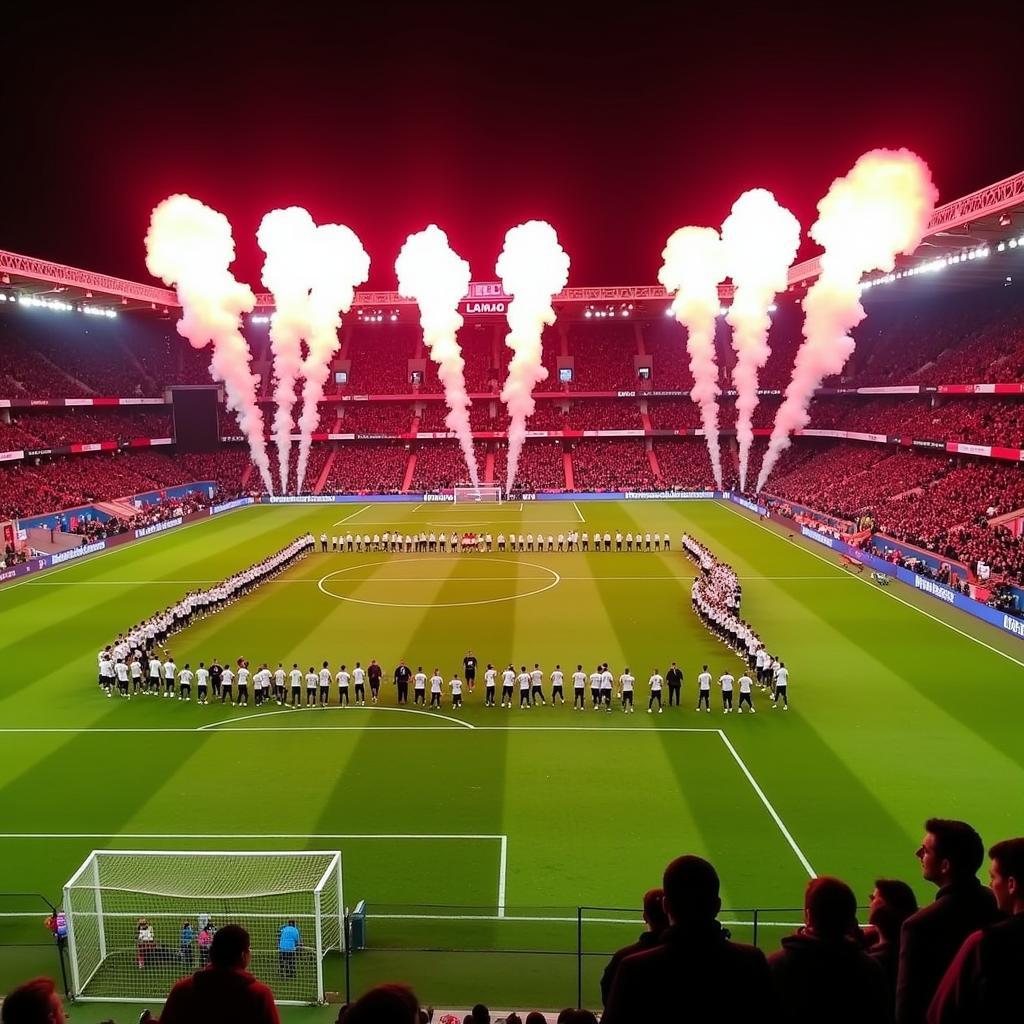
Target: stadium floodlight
<point>484,495</point>
<point>127,912</point>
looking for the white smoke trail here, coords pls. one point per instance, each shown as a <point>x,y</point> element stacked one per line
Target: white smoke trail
<point>339,264</point>
<point>693,268</point>
<point>533,268</point>
<point>286,236</point>
<point>879,209</point>
<point>433,274</point>
<point>189,246</point>
<point>761,239</point>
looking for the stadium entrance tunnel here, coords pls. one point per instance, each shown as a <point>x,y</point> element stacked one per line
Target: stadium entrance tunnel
<point>439,581</point>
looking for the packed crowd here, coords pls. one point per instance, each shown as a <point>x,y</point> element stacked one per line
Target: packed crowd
<point>623,465</point>
<point>154,512</point>
<point>541,466</point>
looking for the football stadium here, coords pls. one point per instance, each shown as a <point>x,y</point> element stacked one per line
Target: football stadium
<point>393,635</point>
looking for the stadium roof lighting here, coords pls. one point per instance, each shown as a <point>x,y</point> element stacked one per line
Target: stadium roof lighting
<point>1013,243</point>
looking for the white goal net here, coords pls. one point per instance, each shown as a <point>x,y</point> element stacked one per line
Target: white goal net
<point>481,495</point>
<point>140,920</point>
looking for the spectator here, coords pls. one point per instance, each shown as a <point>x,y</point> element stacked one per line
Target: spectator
<point>224,991</point>
<point>655,923</point>
<point>536,1017</point>
<point>480,1014</point>
<point>697,973</point>
<point>35,1002</point>
<point>950,856</point>
<point>982,984</point>
<point>385,1004</point>
<point>188,936</point>
<point>145,942</point>
<point>572,1016</point>
<point>822,972</point>
<point>892,903</point>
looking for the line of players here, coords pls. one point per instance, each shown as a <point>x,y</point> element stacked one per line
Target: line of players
<point>233,685</point>
<point>431,542</point>
<point>126,659</point>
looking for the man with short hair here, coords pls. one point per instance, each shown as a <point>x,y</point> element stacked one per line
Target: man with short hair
<point>375,672</point>
<point>224,990</point>
<point>695,973</point>
<point>655,922</point>
<point>950,855</point>
<point>822,972</point>
<point>982,984</point>
<point>674,678</point>
<point>34,1002</point>
<point>402,676</point>
<point>419,686</point>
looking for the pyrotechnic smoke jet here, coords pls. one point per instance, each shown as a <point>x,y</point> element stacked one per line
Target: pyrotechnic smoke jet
<point>533,268</point>
<point>881,208</point>
<point>693,268</point>
<point>287,238</point>
<point>339,264</point>
<point>433,274</point>
<point>190,246</point>
<point>760,239</point>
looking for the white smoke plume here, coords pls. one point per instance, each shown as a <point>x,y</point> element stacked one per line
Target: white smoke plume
<point>190,247</point>
<point>433,274</point>
<point>694,266</point>
<point>286,237</point>
<point>879,209</point>
<point>761,239</point>
<point>339,264</point>
<point>533,268</point>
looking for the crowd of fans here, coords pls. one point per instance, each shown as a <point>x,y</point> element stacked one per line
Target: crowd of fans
<point>955,960</point>
<point>52,428</point>
<point>684,463</point>
<point>441,464</point>
<point>371,467</point>
<point>541,466</point>
<point>599,465</point>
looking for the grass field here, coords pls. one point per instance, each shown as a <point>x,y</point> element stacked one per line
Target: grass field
<point>482,831</point>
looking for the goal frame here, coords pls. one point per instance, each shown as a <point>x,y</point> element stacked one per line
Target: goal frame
<point>465,495</point>
<point>91,864</point>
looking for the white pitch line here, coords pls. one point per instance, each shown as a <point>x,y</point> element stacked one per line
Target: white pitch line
<point>767,803</point>
<point>352,516</point>
<point>879,590</point>
<point>652,730</point>
<point>578,512</point>
<point>502,871</point>
<point>251,835</point>
<point>272,714</point>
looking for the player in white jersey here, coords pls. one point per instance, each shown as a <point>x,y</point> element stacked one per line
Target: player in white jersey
<point>324,681</point>
<point>436,687</point>
<point>107,673</point>
<point>525,679</point>
<point>607,685</point>
<point>773,671</point>
<point>279,683</point>
<point>725,681</point>
<point>704,690</point>
<point>185,677</point>
<point>227,679</point>
<point>156,671</point>
<point>243,684</point>
<point>490,676</point>
<point>537,685</point>
<point>655,683</point>
<point>136,672</point>
<point>295,679</point>
<point>260,684</point>
<point>121,672</point>
<point>456,687</point>
<point>359,684</point>
<point>508,678</point>
<point>202,683</point>
<point>595,688</point>
<point>762,661</point>
<point>557,686</point>
<point>579,683</point>
<point>746,685</point>
<point>781,687</point>
<point>343,680</point>
<point>626,682</point>
<point>169,669</point>
<point>419,686</point>
<point>312,682</point>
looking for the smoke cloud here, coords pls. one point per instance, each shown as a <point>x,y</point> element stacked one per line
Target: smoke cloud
<point>879,209</point>
<point>190,247</point>
<point>533,268</point>
<point>338,265</point>
<point>761,239</point>
<point>287,238</point>
<point>693,267</point>
<point>433,274</point>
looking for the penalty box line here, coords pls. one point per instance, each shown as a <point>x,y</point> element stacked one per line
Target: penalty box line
<point>501,838</point>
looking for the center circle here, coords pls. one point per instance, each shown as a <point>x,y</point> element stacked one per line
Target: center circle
<point>554,580</point>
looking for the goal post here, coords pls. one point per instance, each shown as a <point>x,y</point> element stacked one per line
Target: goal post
<point>139,920</point>
<point>484,494</point>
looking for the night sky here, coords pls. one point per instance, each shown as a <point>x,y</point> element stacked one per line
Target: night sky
<point>617,128</point>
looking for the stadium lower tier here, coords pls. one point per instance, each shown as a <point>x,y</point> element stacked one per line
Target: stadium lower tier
<point>942,503</point>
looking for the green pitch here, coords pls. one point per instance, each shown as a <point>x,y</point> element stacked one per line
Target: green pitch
<point>482,830</point>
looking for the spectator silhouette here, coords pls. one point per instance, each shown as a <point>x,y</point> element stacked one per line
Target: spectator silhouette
<point>385,1004</point>
<point>34,1002</point>
<point>892,902</point>
<point>655,923</point>
<point>696,973</point>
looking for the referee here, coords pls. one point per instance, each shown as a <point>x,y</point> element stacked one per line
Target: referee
<point>402,675</point>
<point>469,666</point>
<point>674,678</point>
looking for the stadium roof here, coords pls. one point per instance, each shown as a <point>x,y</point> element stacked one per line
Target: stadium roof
<point>984,217</point>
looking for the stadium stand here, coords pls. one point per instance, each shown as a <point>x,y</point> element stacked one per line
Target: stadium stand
<point>612,466</point>
<point>541,466</point>
<point>441,464</point>
<point>371,467</point>
<point>604,414</point>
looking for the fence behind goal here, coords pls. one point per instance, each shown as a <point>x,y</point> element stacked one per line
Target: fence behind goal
<point>484,494</point>
<point>140,920</point>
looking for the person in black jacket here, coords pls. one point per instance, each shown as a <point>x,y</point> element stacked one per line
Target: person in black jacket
<point>674,678</point>
<point>696,974</point>
<point>402,676</point>
<point>950,854</point>
<point>655,921</point>
<point>892,902</point>
<point>822,972</point>
<point>983,983</point>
